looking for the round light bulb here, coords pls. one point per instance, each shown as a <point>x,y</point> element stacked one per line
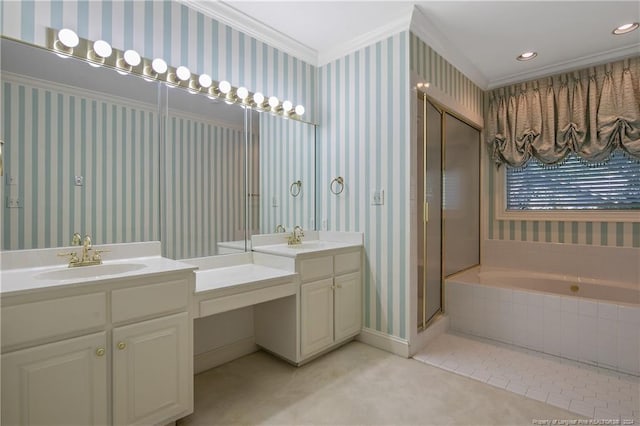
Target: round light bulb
<point>258,98</point>
<point>204,81</point>
<point>183,73</point>
<point>626,28</point>
<point>132,58</point>
<point>102,48</point>
<point>287,106</point>
<point>527,56</point>
<point>300,110</point>
<point>159,66</point>
<point>242,93</point>
<point>273,102</point>
<point>68,37</point>
<point>224,87</point>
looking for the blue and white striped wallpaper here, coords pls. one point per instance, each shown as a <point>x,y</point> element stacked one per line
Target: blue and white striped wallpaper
<point>203,200</point>
<point>174,32</point>
<point>56,133</point>
<point>432,67</point>
<point>364,137</point>
<point>287,154</point>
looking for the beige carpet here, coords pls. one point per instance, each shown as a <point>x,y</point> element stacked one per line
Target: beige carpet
<point>356,384</point>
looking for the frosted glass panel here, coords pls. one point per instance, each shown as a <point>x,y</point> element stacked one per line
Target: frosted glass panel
<point>461,199</point>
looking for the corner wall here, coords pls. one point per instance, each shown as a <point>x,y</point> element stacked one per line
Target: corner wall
<point>364,137</point>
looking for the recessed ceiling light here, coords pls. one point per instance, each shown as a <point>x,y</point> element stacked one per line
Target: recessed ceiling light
<point>526,56</point>
<point>626,28</point>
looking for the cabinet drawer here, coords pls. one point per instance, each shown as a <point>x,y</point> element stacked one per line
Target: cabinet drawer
<point>348,262</point>
<point>49,318</point>
<point>311,269</point>
<point>144,301</point>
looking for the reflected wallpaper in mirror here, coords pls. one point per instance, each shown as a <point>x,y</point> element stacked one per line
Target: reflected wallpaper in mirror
<point>204,200</point>
<point>82,152</point>
<point>126,160</point>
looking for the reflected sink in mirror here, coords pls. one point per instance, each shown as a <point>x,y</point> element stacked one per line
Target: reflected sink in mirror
<point>90,271</point>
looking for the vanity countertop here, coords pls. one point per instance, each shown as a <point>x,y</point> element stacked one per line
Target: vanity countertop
<point>307,248</point>
<point>24,280</point>
<point>313,243</point>
<point>239,277</point>
<point>25,271</point>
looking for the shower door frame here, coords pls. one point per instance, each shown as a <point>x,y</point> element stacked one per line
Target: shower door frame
<point>424,322</point>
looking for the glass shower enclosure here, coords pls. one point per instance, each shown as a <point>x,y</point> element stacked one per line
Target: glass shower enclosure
<point>448,187</point>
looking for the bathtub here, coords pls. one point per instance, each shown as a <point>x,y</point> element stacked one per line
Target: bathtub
<point>591,321</point>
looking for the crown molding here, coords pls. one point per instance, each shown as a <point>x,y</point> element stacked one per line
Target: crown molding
<point>367,39</point>
<point>567,66</point>
<point>232,17</point>
<point>424,28</point>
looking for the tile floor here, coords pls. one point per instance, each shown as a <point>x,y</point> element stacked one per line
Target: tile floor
<point>589,391</point>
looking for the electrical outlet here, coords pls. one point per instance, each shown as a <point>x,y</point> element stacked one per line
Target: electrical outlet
<point>14,202</point>
<point>78,180</point>
<point>377,197</point>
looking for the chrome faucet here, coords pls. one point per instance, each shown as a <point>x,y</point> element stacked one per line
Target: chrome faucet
<point>296,236</point>
<point>86,259</point>
<point>280,228</point>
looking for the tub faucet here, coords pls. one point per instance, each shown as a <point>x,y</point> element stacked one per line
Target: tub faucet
<point>296,236</point>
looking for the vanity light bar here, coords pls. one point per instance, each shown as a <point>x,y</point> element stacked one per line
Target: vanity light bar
<point>130,62</point>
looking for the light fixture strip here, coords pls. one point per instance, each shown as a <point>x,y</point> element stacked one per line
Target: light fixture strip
<point>84,51</point>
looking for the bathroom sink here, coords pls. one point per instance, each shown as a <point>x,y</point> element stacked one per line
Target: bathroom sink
<point>90,271</point>
<point>312,245</point>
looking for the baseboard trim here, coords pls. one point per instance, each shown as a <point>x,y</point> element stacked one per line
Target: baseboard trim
<point>437,327</point>
<point>215,357</point>
<point>384,341</point>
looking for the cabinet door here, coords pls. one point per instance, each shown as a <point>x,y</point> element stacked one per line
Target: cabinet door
<point>61,383</point>
<point>316,311</point>
<point>348,305</point>
<point>152,371</point>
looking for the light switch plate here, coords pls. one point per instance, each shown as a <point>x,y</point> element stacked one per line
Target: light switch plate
<point>14,202</point>
<point>78,180</point>
<point>377,197</point>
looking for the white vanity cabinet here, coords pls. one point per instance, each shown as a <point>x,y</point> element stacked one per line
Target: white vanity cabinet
<point>330,307</point>
<point>117,351</point>
<point>58,383</point>
<point>150,362</point>
<point>326,312</point>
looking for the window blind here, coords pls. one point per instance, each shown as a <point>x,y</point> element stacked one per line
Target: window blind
<point>574,185</point>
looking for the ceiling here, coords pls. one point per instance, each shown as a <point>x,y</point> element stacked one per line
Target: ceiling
<point>481,38</point>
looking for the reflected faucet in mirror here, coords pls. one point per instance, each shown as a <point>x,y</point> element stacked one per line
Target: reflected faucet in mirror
<point>280,228</point>
<point>86,259</point>
<point>296,236</point>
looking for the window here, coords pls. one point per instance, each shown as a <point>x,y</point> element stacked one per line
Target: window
<point>572,191</point>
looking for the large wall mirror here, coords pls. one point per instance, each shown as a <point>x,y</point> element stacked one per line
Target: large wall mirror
<point>122,159</point>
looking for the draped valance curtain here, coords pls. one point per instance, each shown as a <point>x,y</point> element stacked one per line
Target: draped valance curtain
<point>591,113</point>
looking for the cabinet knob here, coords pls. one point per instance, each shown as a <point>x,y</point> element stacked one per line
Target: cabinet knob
<point>122,345</point>
<point>100,351</point>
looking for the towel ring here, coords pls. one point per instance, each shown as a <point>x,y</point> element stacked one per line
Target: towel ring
<point>337,185</point>
<point>292,189</point>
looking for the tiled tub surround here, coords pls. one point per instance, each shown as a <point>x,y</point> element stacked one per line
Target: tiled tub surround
<point>598,325</point>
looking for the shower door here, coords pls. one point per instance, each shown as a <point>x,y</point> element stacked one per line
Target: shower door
<point>448,208</point>
<point>429,188</point>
